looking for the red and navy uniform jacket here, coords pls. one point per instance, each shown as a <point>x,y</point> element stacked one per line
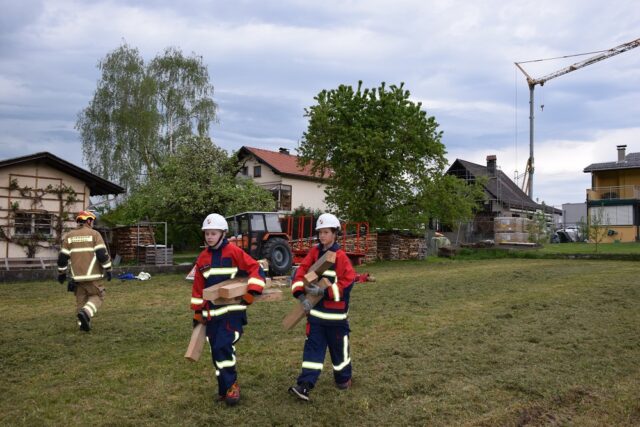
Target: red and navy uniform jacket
<point>217,265</point>
<point>334,306</point>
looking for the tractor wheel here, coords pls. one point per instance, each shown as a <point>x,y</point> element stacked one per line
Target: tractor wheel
<point>278,253</point>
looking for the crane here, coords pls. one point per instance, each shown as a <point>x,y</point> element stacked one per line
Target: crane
<point>527,184</point>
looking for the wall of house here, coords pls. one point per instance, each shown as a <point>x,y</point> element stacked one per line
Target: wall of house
<point>616,178</point>
<point>267,174</point>
<point>37,177</point>
<point>309,194</point>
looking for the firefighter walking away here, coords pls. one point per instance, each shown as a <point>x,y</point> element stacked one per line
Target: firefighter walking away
<point>84,258</point>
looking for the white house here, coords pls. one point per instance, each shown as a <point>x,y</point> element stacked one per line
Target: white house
<point>40,195</point>
<point>278,172</point>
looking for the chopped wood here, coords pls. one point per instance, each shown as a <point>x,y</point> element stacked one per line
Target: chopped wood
<point>233,290</point>
<point>298,313</point>
<point>198,337</point>
<point>310,277</point>
<point>212,293</point>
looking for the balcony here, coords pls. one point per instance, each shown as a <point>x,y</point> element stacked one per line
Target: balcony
<point>623,192</point>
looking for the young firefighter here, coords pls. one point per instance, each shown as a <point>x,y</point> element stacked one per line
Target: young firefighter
<point>218,262</point>
<point>84,253</point>
<point>327,323</point>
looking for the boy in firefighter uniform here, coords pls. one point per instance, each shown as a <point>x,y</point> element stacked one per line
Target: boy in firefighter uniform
<point>218,262</point>
<point>327,323</point>
<point>84,255</point>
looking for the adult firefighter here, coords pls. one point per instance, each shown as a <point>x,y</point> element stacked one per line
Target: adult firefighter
<point>84,255</point>
<point>327,323</point>
<point>221,261</point>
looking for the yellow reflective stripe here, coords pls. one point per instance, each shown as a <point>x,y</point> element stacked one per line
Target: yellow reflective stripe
<point>81,250</point>
<point>223,271</point>
<point>217,373</point>
<point>336,292</point>
<point>91,308</point>
<point>329,273</point>
<point>225,310</point>
<point>236,337</point>
<point>107,265</point>
<point>88,277</point>
<point>65,251</point>
<point>99,246</point>
<point>297,285</point>
<point>80,239</point>
<point>312,365</point>
<point>227,363</point>
<point>345,355</point>
<point>93,263</point>
<point>197,300</point>
<point>62,268</point>
<point>255,281</point>
<point>328,316</point>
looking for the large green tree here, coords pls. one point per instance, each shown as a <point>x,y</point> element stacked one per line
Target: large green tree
<point>200,178</point>
<point>140,113</point>
<point>384,154</point>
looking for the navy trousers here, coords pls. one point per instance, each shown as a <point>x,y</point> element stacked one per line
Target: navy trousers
<point>319,337</point>
<point>222,335</point>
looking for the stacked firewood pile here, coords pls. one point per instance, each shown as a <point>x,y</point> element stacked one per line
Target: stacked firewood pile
<point>393,246</point>
<point>127,239</point>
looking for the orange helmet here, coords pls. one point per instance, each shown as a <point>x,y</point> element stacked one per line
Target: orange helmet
<point>85,215</point>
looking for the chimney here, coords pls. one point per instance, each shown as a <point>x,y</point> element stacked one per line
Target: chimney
<point>283,150</point>
<point>491,165</point>
<point>621,151</point>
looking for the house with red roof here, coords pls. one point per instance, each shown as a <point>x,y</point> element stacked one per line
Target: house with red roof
<point>278,172</point>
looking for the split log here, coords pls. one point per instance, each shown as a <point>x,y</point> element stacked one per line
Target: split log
<point>198,337</point>
<point>298,313</point>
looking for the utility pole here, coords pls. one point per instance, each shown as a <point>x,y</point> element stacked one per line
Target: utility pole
<point>527,184</point>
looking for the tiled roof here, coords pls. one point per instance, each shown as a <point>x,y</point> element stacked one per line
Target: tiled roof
<point>96,184</point>
<point>501,188</point>
<point>281,163</point>
<point>631,161</point>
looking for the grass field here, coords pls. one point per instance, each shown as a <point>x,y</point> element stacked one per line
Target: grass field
<point>589,248</point>
<point>500,342</point>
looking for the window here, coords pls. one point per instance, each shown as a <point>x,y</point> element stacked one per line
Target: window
<point>614,215</point>
<point>257,171</point>
<point>30,223</point>
<point>244,171</point>
<point>257,223</point>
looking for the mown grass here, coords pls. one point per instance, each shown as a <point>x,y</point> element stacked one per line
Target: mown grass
<point>500,342</point>
<point>588,248</point>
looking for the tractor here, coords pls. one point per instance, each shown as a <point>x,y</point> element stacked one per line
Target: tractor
<point>260,235</point>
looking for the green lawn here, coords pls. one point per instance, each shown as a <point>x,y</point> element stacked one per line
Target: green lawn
<point>498,342</point>
<point>589,248</point>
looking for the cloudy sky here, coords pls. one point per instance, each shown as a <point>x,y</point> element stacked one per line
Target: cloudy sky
<point>268,59</point>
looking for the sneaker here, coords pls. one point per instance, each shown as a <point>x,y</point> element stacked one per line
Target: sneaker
<point>345,385</point>
<point>85,321</point>
<point>301,391</point>
<point>233,395</point>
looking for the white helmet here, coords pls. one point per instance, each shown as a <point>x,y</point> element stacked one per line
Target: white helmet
<point>327,220</point>
<point>215,221</point>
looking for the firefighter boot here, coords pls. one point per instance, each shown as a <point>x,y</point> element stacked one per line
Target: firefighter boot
<point>345,385</point>
<point>233,395</point>
<point>301,391</point>
<point>85,320</point>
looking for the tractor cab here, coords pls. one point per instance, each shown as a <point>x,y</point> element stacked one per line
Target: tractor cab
<point>260,235</point>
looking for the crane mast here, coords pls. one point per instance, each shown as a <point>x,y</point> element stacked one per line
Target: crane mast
<point>527,185</point>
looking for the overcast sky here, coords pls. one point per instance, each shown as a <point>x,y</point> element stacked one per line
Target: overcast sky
<point>268,59</point>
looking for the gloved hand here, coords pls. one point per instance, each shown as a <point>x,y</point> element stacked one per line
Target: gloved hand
<point>62,277</point>
<point>108,274</point>
<point>71,286</point>
<point>306,304</point>
<point>247,299</point>
<point>197,318</point>
<point>313,289</point>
